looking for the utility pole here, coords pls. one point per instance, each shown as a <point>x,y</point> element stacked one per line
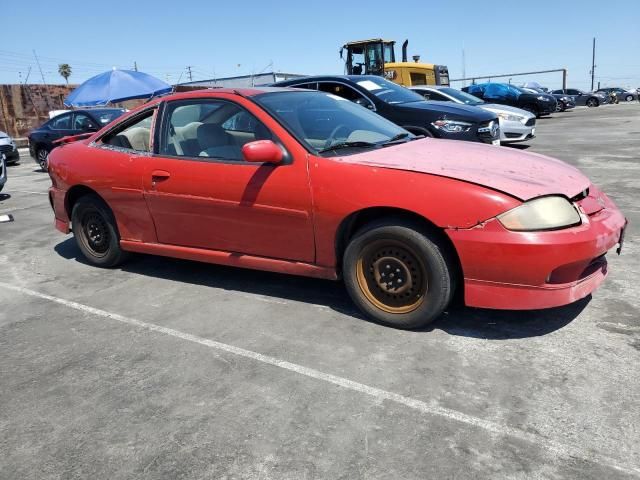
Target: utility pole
<point>593,63</point>
<point>464,68</point>
<point>135,66</point>
<point>46,87</point>
<point>189,73</point>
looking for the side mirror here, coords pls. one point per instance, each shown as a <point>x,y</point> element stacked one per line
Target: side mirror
<point>262,151</point>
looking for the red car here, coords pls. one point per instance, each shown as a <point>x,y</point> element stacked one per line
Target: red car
<point>308,183</point>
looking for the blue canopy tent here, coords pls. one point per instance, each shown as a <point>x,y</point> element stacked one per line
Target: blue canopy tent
<point>116,86</point>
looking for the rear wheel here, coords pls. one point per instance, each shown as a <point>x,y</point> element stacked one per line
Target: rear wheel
<point>629,98</point>
<point>42,157</point>
<point>96,233</point>
<point>398,275</point>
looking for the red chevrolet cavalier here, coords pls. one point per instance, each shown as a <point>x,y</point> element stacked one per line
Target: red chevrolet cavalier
<point>311,184</point>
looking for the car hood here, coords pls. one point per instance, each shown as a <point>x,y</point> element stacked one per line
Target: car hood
<point>520,174</point>
<point>496,107</point>
<point>447,109</point>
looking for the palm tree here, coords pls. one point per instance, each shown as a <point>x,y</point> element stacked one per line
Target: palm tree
<point>64,69</point>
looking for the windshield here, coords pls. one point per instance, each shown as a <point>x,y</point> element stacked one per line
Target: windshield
<point>107,115</point>
<point>389,92</point>
<point>464,97</point>
<point>322,120</point>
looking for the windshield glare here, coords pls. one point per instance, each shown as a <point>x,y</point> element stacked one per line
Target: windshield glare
<point>320,120</point>
<point>389,92</point>
<point>464,97</point>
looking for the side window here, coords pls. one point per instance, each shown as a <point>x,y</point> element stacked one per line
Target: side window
<point>83,123</point>
<point>308,86</point>
<point>345,92</point>
<point>134,135</point>
<point>62,122</point>
<point>438,97</point>
<point>495,90</point>
<point>476,90</point>
<point>210,128</point>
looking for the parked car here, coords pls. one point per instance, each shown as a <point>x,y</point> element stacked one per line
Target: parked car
<point>3,171</point>
<point>564,102</point>
<point>9,149</point>
<point>537,103</point>
<point>621,93</point>
<point>516,125</point>
<point>41,140</point>
<point>582,98</point>
<point>305,182</point>
<point>407,108</point>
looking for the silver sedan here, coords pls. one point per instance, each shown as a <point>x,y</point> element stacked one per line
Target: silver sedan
<point>516,125</point>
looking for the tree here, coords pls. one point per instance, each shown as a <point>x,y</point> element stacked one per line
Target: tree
<point>64,69</point>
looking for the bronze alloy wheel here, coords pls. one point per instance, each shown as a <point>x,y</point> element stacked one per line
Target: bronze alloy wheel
<point>392,276</point>
<point>95,233</point>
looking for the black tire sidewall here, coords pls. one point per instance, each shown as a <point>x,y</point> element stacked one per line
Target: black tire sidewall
<point>440,274</point>
<point>115,255</point>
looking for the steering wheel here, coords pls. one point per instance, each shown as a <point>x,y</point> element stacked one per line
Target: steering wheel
<point>333,134</point>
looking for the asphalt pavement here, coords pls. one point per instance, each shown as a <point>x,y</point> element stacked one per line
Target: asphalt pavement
<point>169,369</point>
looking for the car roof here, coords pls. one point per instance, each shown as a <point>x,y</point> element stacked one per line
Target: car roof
<point>316,78</point>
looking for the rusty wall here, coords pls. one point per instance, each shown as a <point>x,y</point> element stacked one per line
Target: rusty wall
<point>23,107</point>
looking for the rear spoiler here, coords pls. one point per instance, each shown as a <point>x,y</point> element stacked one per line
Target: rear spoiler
<point>72,138</point>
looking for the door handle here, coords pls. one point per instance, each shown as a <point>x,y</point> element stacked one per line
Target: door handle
<point>159,176</point>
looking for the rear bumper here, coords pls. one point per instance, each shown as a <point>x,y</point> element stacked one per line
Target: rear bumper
<point>532,270</point>
<point>61,219</point>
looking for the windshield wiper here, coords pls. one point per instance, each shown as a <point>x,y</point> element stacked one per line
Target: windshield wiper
<point>401,136</point>
<point>342,145</point>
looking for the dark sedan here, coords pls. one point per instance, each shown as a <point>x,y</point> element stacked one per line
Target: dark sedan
<point>406,108</point>
<point>537,103</point>
<point>582,98</point>
<point>41,140</point>
<point>565,102</point>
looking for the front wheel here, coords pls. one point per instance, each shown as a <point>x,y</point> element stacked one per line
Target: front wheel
<point>42,157</point>
<point>398,275</point>
<point>96,233</point>
<point>560,107</point>
<point>592,102</point>
<point>629,98</point>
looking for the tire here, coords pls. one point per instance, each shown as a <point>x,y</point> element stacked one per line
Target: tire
<point>593,102</point>
<point>560,107</point>
<point>96,232</point>
<point>629,98</point>
<point>413,258</point>
<point>42,157</point>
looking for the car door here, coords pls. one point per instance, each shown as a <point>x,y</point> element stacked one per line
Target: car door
<point>57,127</point>
<point>201,192</point>
<point>83,123</point>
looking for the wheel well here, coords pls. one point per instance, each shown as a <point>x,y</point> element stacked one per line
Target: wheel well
<point>350,225</point>
<point>74,194</point>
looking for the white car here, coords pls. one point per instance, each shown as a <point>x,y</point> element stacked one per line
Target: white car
<point>8,148</point>
<point>516,125</point>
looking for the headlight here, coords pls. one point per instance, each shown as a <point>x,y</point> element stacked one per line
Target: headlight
<point>542,98</point>
<point>452,126</point>
<point>511,117</point>
<point>544,213</point>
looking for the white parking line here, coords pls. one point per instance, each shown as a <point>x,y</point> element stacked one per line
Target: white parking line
<point>556,448</point>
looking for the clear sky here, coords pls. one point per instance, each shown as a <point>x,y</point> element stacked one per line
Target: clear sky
<point>238,38</point>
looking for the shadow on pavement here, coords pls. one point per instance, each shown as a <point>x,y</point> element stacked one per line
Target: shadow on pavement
<point>4,196</point>
<point>458,320</point>
<point>517,146</point>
